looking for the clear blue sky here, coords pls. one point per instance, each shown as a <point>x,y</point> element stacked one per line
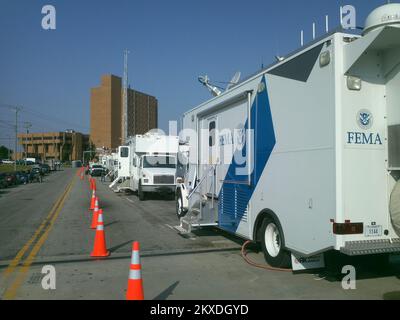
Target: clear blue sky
<point>50,73</point>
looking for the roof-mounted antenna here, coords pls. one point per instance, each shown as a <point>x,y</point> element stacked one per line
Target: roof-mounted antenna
<point>205,81</point>
<point>327,24</point>
<point>313,31</point>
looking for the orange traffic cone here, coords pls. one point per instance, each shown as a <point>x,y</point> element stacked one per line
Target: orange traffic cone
<point>100,248</point>
<point>135,283</point>
<point>93,200</point>
<point>96,212</point>
<point>94,184</point>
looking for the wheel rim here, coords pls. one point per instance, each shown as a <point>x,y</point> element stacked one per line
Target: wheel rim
<point>272,240</point>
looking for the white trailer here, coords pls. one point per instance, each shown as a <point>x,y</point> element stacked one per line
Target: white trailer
<point>304,156</point>
<point>148,164</point>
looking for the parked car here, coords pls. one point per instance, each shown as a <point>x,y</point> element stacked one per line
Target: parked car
<point>39,168</point>
<point>22,177</point>
<point>11,179</point>
<point>45,168</point>
<point>96,170</point>
<point>8,161</point>
<point>3,181</point>
<point>35,175</point>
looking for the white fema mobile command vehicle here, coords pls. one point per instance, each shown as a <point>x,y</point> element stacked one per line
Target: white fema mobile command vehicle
<point>147,164</point>
<point>110,163</point>
<point>304,157</point>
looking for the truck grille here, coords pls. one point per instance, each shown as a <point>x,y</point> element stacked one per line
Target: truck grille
<point>164,179</point>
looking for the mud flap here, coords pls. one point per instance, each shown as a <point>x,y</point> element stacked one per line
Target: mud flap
<point>300,263</point>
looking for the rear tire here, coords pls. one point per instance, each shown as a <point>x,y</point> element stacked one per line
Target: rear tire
<point>272,245</point>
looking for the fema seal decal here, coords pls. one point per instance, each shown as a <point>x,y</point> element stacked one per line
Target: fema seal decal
<point>365,119</point>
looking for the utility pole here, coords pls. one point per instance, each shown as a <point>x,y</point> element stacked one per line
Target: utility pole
<point>125,102</point>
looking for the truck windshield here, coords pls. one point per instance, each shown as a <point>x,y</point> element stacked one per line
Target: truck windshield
<point>159,162</point>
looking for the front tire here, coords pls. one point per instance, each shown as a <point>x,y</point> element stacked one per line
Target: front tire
<point>272,245</point>
<point>180,211</point>
<point>140,192</point>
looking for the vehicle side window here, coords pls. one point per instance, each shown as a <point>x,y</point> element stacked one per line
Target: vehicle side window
<point>124,152</point>
<point>211,131</point>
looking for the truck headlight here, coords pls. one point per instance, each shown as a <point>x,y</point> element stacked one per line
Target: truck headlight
<point>146,181</point>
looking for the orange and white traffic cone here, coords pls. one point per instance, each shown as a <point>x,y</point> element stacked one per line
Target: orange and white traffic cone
<point>96,212</point>
<point>135,283</point>
<point>93,200</point>
<point>100,248</point>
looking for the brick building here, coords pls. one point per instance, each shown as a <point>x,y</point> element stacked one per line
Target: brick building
<point>64,146</point>
<point>106,118</point>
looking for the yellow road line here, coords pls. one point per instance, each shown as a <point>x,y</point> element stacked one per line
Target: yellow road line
<point>11,292</point>
<point>14,263</point>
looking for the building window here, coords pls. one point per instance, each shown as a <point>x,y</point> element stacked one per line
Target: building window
<point>124,152</point>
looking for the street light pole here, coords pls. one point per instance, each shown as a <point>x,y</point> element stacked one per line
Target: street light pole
<point>16,109</point>
<point>27,125</point>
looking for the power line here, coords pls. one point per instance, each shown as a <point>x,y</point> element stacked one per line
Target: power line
<point>48,117</point>
<point>52,118</point>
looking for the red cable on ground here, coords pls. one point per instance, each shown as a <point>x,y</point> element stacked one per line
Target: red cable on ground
<point>254,264</point>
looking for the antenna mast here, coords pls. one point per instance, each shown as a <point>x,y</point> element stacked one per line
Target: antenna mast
<point>125,99</point>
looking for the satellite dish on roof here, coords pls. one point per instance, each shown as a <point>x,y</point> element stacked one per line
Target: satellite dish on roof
<point>235,80</point>
<point>388,14</point>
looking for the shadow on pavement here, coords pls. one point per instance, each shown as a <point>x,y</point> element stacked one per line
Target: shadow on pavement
<point>394,295</point>
<point>367,267</point>
<point>115,248</point>
<point>3,192</point>
<point>111,223</point>
<point>167,292</point>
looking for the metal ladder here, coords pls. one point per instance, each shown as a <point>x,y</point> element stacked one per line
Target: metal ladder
<point>197,201</point>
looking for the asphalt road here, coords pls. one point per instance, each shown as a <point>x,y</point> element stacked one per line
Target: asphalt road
<point>48,224</point>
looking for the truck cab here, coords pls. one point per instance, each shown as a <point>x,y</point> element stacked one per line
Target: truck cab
<point>154,173</point>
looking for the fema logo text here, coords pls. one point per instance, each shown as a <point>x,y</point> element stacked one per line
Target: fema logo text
<point>365,121</point>
<point>363,138</point>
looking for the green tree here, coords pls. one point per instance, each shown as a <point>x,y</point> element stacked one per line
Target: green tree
<point>5,152</point>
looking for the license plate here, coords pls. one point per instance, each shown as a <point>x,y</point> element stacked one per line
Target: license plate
<point>373,231</point>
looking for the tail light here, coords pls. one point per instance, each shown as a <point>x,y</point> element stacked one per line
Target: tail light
<point>348,228</point>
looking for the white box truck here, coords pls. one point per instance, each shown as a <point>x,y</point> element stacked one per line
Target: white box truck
<point>304,156</point>
<point>148,163</point>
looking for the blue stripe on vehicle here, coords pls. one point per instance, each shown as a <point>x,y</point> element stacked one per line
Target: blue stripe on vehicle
<point>234,198</point>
